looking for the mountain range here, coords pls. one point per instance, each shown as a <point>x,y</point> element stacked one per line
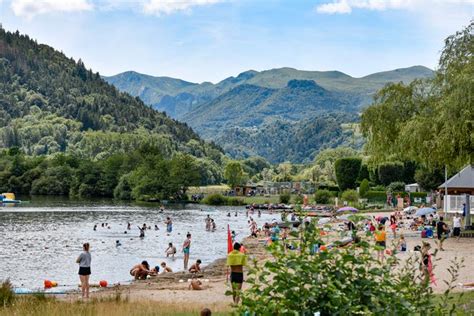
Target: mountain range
<point>281,114</point>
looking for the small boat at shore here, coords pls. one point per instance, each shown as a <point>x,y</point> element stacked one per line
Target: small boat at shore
<point>8,198</point>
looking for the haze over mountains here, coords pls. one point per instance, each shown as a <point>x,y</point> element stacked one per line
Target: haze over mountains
<point>281,114</point>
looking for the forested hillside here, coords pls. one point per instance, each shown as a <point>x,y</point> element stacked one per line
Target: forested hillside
<point>51,103</point>
<point>65,131</point>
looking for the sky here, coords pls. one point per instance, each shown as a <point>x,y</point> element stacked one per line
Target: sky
<point>209,40</point>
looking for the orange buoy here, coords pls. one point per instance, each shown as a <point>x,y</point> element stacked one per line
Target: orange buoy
<point>103,283</point>
<point>54,283</point>
<point>48,284</point>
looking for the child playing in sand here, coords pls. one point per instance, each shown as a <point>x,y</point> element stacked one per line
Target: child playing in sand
<point>165,268</point>
<point>195,268</point>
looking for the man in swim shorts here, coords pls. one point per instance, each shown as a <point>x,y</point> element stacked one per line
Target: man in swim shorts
<point>186,248</point>
<point>236,260</point>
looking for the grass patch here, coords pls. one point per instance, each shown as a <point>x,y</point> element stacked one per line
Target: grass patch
<point>32,306</point>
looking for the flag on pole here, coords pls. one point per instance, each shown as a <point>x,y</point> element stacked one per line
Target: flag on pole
<point>230,247</point>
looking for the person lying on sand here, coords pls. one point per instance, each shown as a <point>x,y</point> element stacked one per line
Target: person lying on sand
<point>195,268</point>
<point>140,271</point>
<point>165,268</point>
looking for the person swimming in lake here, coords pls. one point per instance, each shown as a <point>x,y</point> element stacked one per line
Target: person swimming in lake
<point>156,227</point>
<point>213,225</point>
<point>186,250</point>
<point>208,222</point>
<point>169,224</point>
<point>195,268</point>
<point>95,227</point>
<point>142,232</point>
<point>117,243</point>
<point>129,226</point>
<point>171,250</point>
<point>228,214</point>
<point>140,271</point>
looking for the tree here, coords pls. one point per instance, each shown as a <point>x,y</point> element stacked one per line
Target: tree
<point>323,197</point>
<point>184,172</point>
<point>429,121</point>
<point>429,179</point>
<point>390,172</point>
<point>234,174</point>
<point>347,171</point>
<point>364,187</point>
<point>350,196</point>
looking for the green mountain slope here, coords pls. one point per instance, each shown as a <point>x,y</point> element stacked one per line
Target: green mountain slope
<point>183,98</point>
<point>51,103</point>
<point>238,112</point>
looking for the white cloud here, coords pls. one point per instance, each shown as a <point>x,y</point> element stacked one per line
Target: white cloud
<point>30,8</point>
<point>346,6</point>
<point>158,7</point>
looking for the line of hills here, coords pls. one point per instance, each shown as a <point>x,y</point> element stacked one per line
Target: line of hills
<point>280,114</point>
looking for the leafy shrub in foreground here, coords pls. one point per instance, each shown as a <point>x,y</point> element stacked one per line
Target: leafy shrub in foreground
<point>340,281</point>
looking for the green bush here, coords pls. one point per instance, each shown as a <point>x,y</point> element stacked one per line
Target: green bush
<point>298,199</point>
<point>347,172</point>
<point>380,196</point>
<point>364,188</point>
<point>219,199</point>
<point>396,187</point>
<point>215,199</point>
<point>322,196</point>
<point>341,281</point>
<point>285,198</point>
<point>390,172</point>
<point>350,196</point>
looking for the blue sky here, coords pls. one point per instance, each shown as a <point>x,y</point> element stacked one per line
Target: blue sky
<point>209,40</point>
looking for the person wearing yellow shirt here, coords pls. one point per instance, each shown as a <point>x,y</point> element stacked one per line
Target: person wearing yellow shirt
<point>236,260</point>
<point>381,241</point>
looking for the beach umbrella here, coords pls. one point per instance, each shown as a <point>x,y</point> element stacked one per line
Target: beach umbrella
<point>410,209</point>
<point>348,208</point>
<point>424,211</point>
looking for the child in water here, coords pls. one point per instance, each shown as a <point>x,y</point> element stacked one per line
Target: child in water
<point>171,250</point>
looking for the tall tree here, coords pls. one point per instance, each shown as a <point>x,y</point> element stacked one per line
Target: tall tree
<point>431,121</point>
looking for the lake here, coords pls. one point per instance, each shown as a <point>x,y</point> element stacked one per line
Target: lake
<point>42,239</point>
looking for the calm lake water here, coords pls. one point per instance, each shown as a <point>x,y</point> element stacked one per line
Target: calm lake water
<point>42,239</point>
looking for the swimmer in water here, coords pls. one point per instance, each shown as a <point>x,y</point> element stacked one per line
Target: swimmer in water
<point>117,243</point>
<point>129,226</point>
<point>213,225</point>
<point>228,214</point>
<point>156,227</point>
<point>169,225</point>
<point>95,227</point>
<point>235,214</point>
<point>142,232</point>
<point>186,249</point>
<point>171,250</point>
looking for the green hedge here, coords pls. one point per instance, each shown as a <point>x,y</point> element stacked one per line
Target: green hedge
<point>376,195</point>
<point>219,199</point>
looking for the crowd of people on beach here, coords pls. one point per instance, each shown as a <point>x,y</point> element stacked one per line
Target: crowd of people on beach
<point>398,223</point>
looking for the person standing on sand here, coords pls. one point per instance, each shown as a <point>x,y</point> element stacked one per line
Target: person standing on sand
<point>186,249</point>
<point>236,260</point>
<point>457,226</point>
<point>84,261</point>
<point>441,230</point>
<point>380,240</point>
